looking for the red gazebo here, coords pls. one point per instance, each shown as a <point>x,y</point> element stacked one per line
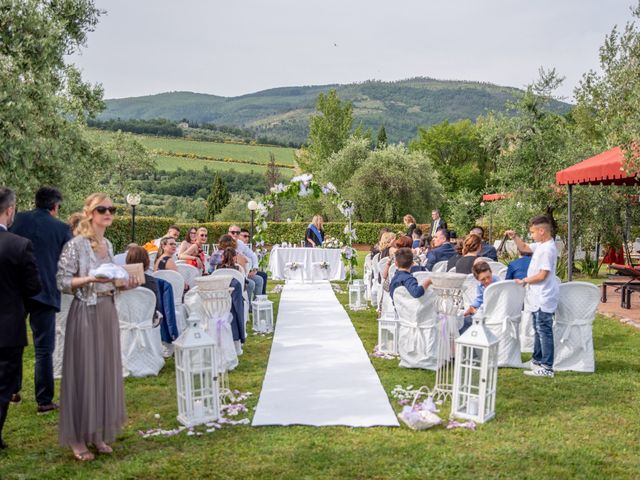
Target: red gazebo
<point>606,168</point>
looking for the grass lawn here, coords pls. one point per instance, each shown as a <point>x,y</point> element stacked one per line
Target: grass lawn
<point>255,153</point>
<point>170,163</point>
<point>575,425</point>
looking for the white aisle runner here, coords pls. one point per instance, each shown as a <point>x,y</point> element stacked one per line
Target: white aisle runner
<point>319,372</point>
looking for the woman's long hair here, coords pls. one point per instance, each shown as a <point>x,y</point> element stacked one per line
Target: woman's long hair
<point>188,238</point>
<point>163,244</point>
<point>386,240</point>
<point>227,241</point>
<point>228,258</point>
<point>317,221</point>
<point>85,227</point>
<point>471,243</point>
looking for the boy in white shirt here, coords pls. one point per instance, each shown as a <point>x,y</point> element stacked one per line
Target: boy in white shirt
<point>542,291</point>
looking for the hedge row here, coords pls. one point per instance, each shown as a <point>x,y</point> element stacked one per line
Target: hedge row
<point>149,228</point>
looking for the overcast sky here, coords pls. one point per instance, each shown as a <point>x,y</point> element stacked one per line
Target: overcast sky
<point>230,48</point>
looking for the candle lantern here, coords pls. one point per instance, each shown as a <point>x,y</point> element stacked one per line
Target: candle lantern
<point>262,314</point>
<point>357,290</point>
<point>475,375</point>
<point>388,329</point>
<point>196,376</point>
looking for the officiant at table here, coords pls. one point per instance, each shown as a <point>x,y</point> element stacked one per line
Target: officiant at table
<point>315,234</point>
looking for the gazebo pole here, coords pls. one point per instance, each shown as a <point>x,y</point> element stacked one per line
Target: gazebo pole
<point>569,234</point>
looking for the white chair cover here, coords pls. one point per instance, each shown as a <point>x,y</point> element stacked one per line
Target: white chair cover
<point>189,273</point>
<point>572,329</point>
<point>469,290</point>
<point>140,343</point>
<point>291,274</point>
<point>61,326</point>
<point>421,275</point>
<point>485,259</point>
<point>418,336</point>
<point>319,273</point>
<point>527,333</point>
<point>502,311</point>
<point>382,264</point>
<point>177,285</point>
<point>440,266</point>
<point>240,277</point>
<point>498,269</point>
<point>375,285</point>
<point>213,305</point>
<point>367,276</point>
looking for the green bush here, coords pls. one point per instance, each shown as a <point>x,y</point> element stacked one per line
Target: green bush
<point>149,228</point>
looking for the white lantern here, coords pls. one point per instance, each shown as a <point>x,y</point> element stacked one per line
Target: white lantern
<point>475,375</point>
<point>388,329</point>
<point>357,290</point>
<point>262,314</point>
<point>196,376</point>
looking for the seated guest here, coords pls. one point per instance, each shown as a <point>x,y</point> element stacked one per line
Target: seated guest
<point>442,249</point>
<point>403,241</point>
<point>314,235</point>
<point>164,259</point>
<point>488,251</point>
<point>416,235</point>
<point>173,231</point>
<point>425,243</point>
<point>224,242</point>
<point>402,277</point>
<point>121,258</point>
<point>410,223</point>
<point>457,245</point>
<point>376,248</point>
<point>228,259</point>
<point>256,282</point>
<point>482,273</point>
<point>189,248</point>
<point>518,268</point>
<point>194,255</point>
<point>137,254</point>
<point>386,242</point>
<point>470,251</point>
<point>245,238</point>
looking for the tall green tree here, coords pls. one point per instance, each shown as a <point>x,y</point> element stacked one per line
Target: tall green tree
<point>329,129</point>
<point>457,154</point>
<point>382,137</point>
<point>218,198</point>
<point>43,101</point>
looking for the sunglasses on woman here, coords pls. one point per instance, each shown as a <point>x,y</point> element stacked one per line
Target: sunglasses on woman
<point>102,210</point>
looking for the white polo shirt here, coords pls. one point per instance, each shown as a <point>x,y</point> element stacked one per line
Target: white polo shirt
<point>543,295</point>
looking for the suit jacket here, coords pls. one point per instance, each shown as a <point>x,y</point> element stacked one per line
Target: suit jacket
<point>489,251</point>
<point>19,280</point>
<point>438,224</point>
<point>443,252</point>
<point>48,235</point>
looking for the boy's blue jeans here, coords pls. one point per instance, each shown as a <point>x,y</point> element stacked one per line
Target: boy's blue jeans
<point>543,343</point>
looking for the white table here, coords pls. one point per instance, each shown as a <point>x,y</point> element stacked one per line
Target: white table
<point>307,256</point>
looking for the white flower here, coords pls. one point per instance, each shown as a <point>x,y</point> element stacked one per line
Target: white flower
<point>305,177</point>
<point>157,416</point>
<point>288,220</point>
<point>279,188</point>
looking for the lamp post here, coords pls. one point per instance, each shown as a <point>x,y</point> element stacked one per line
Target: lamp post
<point>134,201</point>
<point>252,206</point>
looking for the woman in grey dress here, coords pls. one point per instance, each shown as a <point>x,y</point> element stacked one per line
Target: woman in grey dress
<point>92,408</point>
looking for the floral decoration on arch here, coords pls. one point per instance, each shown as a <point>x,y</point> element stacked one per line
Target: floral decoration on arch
<point>302,186</point>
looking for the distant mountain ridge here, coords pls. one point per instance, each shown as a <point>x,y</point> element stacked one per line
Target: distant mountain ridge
<point>283,113</point>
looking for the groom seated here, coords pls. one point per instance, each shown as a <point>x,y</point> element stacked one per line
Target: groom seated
<point>402,277</point>
<point>443,250</point>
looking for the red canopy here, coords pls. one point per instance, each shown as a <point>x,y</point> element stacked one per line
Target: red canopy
<point>605,168</point>
<point>492,197</point>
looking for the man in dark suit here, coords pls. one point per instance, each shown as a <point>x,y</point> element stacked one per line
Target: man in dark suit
<point>48,235</point>
<point>19,280</point>
<point>443,250</point>
<point>488,251</point>
<point>437,222</point>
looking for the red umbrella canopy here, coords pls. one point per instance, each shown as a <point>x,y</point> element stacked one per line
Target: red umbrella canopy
<point>606,168</point>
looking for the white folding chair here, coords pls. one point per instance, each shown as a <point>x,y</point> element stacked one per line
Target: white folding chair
<point>205,248</point>
<point>417,333</point>
<point>498,269</point>
<point>572,328</point>
<point>61,326</point>
<point>240,277</point>
<point>177,285</point>
<point>440,266</point>
<point>189,273</point>
<point>502,311</point>
<point>375,284</point>
<point>140,343</point>
<point>367,276</point>
<point>382,264</point>
<point>469,290</point>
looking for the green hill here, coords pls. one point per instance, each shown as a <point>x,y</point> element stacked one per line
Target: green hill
<point>283,113</point>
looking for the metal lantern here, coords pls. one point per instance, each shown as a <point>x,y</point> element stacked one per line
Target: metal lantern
<point>388,330</point>
<point>196,376</point>
<point>262,314</point>
<point>357,291</point>
<point>475,375</point>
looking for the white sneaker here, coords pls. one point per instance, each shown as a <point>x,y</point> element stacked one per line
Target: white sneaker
<point>531,365</point>
<point>539,372</point>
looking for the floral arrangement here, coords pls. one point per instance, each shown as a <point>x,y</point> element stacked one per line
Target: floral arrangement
<point>303,186</point>
<point>293,266</point>
<point>331,242</point>
<point>324,265</point>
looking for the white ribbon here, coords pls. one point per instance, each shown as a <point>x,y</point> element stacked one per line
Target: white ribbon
<point>138,333</point>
